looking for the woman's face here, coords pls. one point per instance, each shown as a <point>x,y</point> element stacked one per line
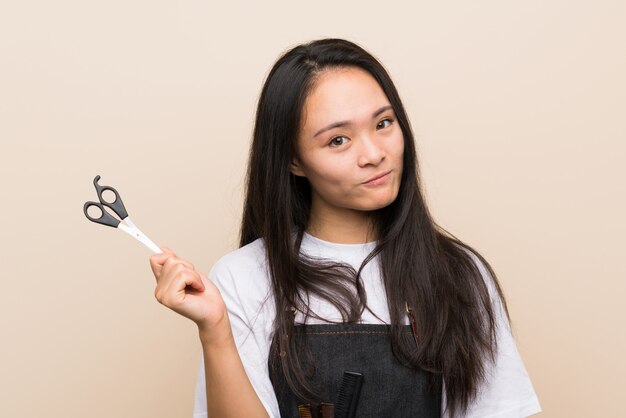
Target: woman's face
<point>350,145</point>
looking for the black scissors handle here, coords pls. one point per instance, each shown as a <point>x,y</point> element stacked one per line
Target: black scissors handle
<point>104,219</point>
<point>116,206</point>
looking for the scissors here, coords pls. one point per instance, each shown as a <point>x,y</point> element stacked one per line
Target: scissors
<point>118,207</point>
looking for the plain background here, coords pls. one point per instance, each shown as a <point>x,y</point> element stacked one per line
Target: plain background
<point>519,114</point>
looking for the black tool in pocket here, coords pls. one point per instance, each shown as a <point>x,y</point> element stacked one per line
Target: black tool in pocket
<point>348,397</point>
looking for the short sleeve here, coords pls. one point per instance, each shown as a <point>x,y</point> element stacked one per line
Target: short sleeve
<point>507,391</point>
<point>244,287</point>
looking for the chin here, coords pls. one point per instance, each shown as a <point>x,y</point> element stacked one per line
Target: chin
<point>382,205</point>
<point>378,203</point>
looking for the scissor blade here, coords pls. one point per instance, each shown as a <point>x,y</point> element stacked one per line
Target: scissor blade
<point>133,231</point>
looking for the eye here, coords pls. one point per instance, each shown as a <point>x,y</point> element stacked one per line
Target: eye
<point>390,121</point>
<point>338,141</point>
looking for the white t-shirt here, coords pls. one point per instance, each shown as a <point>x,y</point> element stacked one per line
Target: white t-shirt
<point>243,280</point>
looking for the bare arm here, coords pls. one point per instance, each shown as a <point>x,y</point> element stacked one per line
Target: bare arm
<point>181,288</point>
<point>229,392</point>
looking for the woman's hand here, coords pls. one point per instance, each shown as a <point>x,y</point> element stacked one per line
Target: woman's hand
<point>181,288</point>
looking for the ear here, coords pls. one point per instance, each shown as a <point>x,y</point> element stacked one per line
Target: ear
<point>296,168</point>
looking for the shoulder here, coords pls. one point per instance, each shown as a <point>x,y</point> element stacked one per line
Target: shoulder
<point>494,289</point>
<point>485,270</point>
<point>478,260</point>
<point>248,258</point>
<point>242,275</point>
<point>507,390</point>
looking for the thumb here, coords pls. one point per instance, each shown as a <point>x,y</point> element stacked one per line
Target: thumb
<point>168,250</point>
<point>196,283</point>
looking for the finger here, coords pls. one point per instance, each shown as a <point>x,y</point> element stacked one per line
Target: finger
<point>168,250</point>
<point>172,261</point>
<point>180,275</point>
<point>160,258</point>
<point>174,291</point>
<point>195,282</point>
<point>157,261</point>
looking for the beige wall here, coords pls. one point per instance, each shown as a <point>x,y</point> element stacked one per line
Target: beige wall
<point>519,112</point>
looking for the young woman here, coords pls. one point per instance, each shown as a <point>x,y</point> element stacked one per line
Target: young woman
<point>341,268</point>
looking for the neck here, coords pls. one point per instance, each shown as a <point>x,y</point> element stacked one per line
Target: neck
<point>345,227</point>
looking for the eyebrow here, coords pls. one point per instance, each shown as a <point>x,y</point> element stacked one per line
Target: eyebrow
<point>346,122</point>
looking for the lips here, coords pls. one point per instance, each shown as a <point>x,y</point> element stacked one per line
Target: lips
<point>377,177</point>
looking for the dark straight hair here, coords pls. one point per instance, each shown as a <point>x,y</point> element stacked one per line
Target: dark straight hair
<point>421,263</point>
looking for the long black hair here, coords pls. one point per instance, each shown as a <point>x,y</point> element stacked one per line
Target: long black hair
<point>422,265</point>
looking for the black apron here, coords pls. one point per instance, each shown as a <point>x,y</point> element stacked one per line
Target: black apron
<point>389,388</point>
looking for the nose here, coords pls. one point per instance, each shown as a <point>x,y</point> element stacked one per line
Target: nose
<point>370,153</point>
